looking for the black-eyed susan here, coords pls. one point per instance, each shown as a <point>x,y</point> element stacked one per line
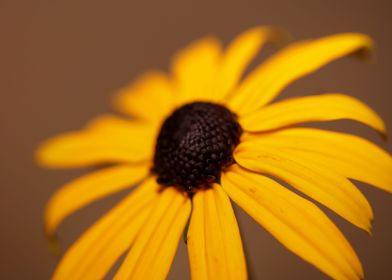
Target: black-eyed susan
<point>203,134</point>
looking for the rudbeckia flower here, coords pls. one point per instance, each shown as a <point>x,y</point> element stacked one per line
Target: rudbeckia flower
<point>192,141</point>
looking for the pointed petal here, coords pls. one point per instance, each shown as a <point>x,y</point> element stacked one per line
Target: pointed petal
<point>349,155</point>
<point>195,69</point>
<point>313,179</point>
<point>295,222</point>
<point>290,64</point>
<point>238,55</point>
<point>97,250</point>
<point>325,107</point>
<point>214,242</point>
<point>84,190</point>
<point>150,97</point>
<point>153,251</point>
<point>108,123</point>
<point>105,140</point>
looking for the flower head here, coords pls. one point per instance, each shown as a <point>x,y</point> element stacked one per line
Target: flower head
<point>204,133</point>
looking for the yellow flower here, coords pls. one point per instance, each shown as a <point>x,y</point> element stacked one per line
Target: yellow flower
<point>202,134</point>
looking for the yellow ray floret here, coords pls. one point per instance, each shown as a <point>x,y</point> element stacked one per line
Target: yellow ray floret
<point>194,70</point>
<point>153,251</point>
<point>150,97</point>
<point>237,57</point>
<point>290,64</point>
<point>297,223</point>
<point>105,140</point>
<point>214,242</point>
<point>96,251</point>
<point>349,155</point>
<point>325,107</point>
<point>312,178</point>
<point>84,190</point>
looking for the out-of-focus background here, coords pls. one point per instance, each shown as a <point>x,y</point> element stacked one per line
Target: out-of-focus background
<point>60,61</point>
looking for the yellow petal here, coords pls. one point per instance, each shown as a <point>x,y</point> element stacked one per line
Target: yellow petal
<point>290,64</point>
<point>349,155</point>
<point>108,123</point>
<point>238,55</point>
<point>119,127</point>
<point>297,223</point>
<point>150,97</point>
<point>97,250</point>
<point>313,179</point>
<point>195,69</point>
<point>325,107</point>
<point>214,242</point>
<point>153,251</point>
<point>84,190</point>
<point>105,140</point>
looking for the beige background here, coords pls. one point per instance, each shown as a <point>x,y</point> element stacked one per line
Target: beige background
<point>60,61</point>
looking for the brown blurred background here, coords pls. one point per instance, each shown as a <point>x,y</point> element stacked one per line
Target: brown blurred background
<point>61,60</point>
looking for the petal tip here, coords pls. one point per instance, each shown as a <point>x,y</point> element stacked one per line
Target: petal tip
<point>202,44</point>
<point>42,155</point>
<point>279,36</point>
<point>54,245</point>
<point>276,35</point>
<point>49,151</point>
<point>366,47</point>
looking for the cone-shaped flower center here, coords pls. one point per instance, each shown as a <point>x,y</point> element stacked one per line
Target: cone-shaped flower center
<point>194,144</point>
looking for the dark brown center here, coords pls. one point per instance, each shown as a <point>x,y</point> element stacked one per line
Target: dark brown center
<point>194,144</point>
